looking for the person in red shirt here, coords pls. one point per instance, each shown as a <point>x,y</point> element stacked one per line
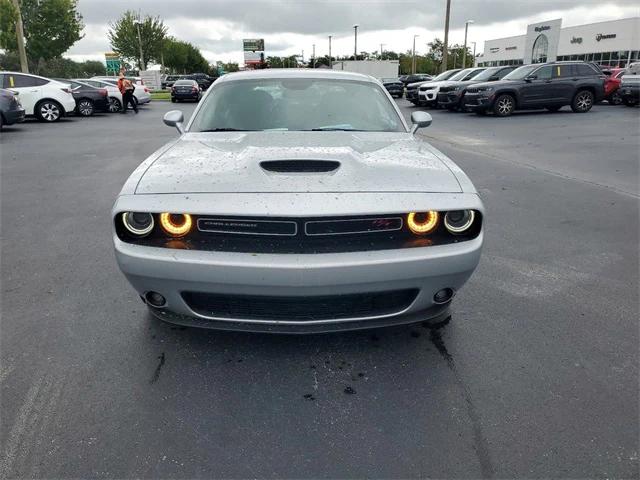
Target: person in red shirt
<point>126,89</point>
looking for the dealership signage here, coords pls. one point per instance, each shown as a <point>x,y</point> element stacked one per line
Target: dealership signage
<point>542,28</point>
<point>253,51</point>
<point>576,39</point>
<point>113,62</point>
<point>494,49</point>
<point>604,36</point>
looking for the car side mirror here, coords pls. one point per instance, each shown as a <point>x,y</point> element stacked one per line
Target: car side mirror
<point>174,118</point>
<point>530,78</point>
<point>420,120</point>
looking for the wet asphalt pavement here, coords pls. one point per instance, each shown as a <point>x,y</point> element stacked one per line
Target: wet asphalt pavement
<point>536,374</point>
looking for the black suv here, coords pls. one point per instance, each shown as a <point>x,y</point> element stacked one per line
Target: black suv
<point>451,95</point>
<point>549,85</point>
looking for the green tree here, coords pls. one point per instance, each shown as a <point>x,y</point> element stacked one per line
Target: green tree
<point>123,36</point>
<point>183,57</point>
<point>51,27</point>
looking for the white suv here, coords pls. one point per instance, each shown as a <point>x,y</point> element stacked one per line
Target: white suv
<point>47,99</point>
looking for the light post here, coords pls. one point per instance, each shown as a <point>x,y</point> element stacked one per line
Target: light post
<point>464,52</point>
<point>381,50</point>
<point>413,60</point>
<point>330,59</point>
<point>474,53</point>
<point>355,41</point>
<point>313,58</point>
<point>22,53</point>
<point>445,46</point>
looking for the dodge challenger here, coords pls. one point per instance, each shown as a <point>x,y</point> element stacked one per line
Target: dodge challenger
<point>297,201</point>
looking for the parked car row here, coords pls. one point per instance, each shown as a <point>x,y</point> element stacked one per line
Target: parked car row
<point>503,90</point>
<point>204,81</point>
<point>49,99</point>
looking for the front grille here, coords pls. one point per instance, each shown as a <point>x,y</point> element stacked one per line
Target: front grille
<point>472,90</point>
<point>300,309</point>
<point>446,89</point>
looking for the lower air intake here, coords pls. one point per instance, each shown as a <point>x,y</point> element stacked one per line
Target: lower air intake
<point>300,309</point>
<point>300,166</point>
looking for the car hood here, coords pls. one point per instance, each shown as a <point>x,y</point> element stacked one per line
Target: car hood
<point>232,162</point>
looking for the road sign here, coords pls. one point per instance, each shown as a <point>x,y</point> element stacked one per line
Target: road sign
<point>253,44</point>
<point>113,62</point>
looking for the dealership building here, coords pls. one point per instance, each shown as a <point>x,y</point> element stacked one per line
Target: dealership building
<point>613,43</point>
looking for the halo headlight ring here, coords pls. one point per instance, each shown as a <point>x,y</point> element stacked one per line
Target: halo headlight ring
<point>140,226</point>
<point>462,225</point>
<point>176,224</point>
<point>422,223</point>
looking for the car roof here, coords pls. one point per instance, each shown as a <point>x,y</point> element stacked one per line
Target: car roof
<point>295,73</point>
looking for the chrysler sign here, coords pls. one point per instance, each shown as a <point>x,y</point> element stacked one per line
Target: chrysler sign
<point>542,28</point>
<point>604,36</point>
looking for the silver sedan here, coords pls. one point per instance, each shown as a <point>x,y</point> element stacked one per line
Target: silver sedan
<point>297,201</point>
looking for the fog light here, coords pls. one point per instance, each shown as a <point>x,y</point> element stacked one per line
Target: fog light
<point>457,221</point>
<point>138,223</point>
<point>423,222</point>
<point>176,224</point>
<point>155,299</point>
<point>443,296</point>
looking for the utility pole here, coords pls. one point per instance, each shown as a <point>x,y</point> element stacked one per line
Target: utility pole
<point>355,42</point>
<point>330,58</point>
<point>413,60</point>
<point>474,53</point>
<point>381,50</point>
<point>24,65</point>
<point>140,43</point>
<point>464,52</point>
<point>445,47</point>
<point>313,61</point>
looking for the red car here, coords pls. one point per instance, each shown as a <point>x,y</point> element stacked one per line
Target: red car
<point>611,85</point>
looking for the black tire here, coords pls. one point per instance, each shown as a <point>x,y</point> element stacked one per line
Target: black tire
<point>554,109</point>
<point>582,101</point>
<point>629,102</point>
<point>615,99</point>
<point>173,100</point>
<point>504,105</point>
<point>85,107</point>
<point>115,105</point>
<point>48,111</point>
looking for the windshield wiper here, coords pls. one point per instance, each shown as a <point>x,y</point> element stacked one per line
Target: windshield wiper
<point>226,129</point>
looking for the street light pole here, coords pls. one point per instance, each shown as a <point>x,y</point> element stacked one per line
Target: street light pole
<point>313,61</point>
<point>24,65</point>
<point>413,61</point>
<point>381,50</point>
<point>464,52</point>
<point>445,47</point>
<point>355,42</point>
<point>330,59</point>
<point>474,53</point>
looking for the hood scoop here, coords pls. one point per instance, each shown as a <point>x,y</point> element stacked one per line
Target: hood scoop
<point>300,166</point>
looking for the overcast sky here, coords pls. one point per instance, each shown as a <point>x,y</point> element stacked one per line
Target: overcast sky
<point>217,27</point>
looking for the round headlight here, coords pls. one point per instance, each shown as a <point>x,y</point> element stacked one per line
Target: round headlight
<point>176,224</point>
<point>138,223</point>
<point>422,223</point>
<point>458,221</point>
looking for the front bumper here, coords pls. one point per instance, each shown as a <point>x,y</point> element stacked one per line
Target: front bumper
<point>185,96</point>
<point>428,96</point>
<point>143,98</point>
<point>171,272</point>
<point>476,101</point>
<point>448,99</point>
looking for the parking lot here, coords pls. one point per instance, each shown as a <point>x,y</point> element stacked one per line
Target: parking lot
<point>535,375</point>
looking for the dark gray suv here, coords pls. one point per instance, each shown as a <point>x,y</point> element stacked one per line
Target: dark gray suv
<point>549,85</point>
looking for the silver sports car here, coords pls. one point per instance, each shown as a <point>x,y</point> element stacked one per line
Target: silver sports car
<point>297,201</point>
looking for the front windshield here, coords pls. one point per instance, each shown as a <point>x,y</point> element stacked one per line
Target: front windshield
<point>461,74</point>
<point>301,104</point>
<point>487,74</point>
<point>520,72</point>
<point>444,76</point>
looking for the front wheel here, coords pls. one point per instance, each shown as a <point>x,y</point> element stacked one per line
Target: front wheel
<point>504,105</point>
<point>114,105</point>
<point>48,111</point>
<point>615,99</point>
<point>173,100</point>
<point>582,102</point>
<point>85,107</point>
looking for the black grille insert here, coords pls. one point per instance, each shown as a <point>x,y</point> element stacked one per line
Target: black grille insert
<point>300,309</point>
<point>300,166</point>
